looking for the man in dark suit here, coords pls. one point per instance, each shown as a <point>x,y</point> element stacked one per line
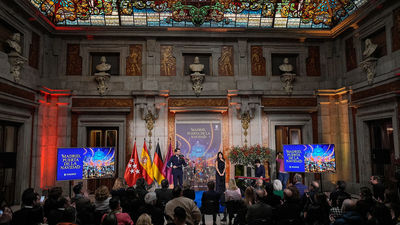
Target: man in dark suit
<point>177,162</point>
<point>260,212</point>
<point>31,212</point>
<point>210,202</point>
<point>164,194</point>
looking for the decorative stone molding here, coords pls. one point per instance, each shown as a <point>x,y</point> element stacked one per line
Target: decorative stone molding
<point>102,80</point>
<point>149,114</point>
<point>15,57</point>
<point>17,62</point>
<point>287,82</point>
<point>197,83</point>
<point>245,113</point>
<point>369,67</point>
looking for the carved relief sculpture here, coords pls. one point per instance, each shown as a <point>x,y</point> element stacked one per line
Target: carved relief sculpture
<point>134,61</point>
<point>351,58</point>
<point>287,76</point>
<point>225,63</point>
<point>197,77</point>
<point>74,61</point>
<point>102,77</point>
<point>313,65</point>
<point>168,62</point>
<point>257,61</point>
<point>15,58</point>
<point>396,30</point>
<point>369,62</point>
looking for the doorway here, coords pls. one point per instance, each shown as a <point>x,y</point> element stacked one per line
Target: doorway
<point>8,158</point>
<point>382,148</point>
<point>287,135</point>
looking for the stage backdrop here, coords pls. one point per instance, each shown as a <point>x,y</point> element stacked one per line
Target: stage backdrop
<point>199,142</point>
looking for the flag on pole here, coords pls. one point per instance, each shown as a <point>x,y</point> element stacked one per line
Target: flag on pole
<point>167,171</point>
<point>146,164</point>
<point>133,170</point>
<point>158,165</point>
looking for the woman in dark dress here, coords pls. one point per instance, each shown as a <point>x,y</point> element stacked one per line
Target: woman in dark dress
<point>220,173</point>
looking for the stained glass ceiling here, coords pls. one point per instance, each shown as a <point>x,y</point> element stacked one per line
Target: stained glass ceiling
<point>307,14</point>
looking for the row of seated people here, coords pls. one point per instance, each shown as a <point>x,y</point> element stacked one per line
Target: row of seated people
<point>263,204</point>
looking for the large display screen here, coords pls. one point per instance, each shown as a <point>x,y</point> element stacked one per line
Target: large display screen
<point>318,158</point>
<point>85,163</point>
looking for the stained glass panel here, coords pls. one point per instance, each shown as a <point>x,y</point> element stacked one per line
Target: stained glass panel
<point>318,14</point>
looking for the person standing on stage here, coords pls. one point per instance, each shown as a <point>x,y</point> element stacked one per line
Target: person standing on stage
<point>220,173</point>
<point>282,176</point>
<point>176,162</point>
<point>260,169</point>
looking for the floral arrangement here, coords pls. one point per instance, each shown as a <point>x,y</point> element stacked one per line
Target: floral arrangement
<point>246,155</point>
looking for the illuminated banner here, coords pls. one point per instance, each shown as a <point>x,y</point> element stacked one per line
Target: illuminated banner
<point>85,163</point>
<point>199,142</point>
<point>309,158</point>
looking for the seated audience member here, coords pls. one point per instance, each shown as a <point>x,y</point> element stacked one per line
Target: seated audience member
<point>393,203</point>
<point>78,193</point>
<point>55,215</point>
<point>51,202</point>
<point>350,216</point>
<point>317,212</point>
<point>188,192</point>
<point>259,184</point>
<point>249,196</point>
<point>233,192</point>
<point>131,203</point>
<point>115,206</point>
<point>85,211</point>
<point>164,194</point>
<point>119,188</point>
<point>297,180</point>
<point>31,213</point>
<point>193,214</point>
<point>271,199</point>
<point>156,214</point>
<point>366,202</point>
<point>339,190</point>
<point>260,212</point>
<point>68,217</point>
<point>179,216</point>
<point>6,216</point>
<point>140,189</point>
<point>210,202</point>
<point>336,211</point>
<point>144,219</point>
<point>102,202</point>
<point>378,188</point>
<point>380,215</point>
<point>278,188</point>
<point>289,212</point>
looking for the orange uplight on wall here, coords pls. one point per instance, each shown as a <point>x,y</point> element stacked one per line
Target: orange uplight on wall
<point>49,121</point>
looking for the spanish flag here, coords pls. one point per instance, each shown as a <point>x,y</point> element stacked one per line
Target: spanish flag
<point>158,165</point>
<point>146,164</point>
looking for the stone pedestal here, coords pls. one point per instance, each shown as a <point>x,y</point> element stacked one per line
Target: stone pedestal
<point>287,82</point>
<point>102,78</point>
<point>197,82</point>
<point>16,64</point>
<point>369,67</point>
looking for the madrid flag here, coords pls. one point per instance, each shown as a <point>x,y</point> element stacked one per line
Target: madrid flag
<point>133,170</point>
<point>146,164</point>
<point>167,171</point>
<point>158,165</point>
